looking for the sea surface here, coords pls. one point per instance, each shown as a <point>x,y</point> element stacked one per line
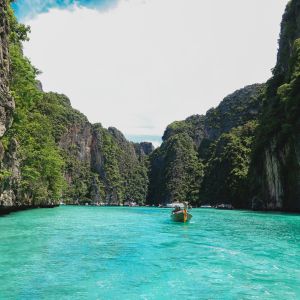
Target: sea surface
<point>138,253</point>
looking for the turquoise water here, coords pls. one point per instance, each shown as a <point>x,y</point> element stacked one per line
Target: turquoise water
<point>138,253</point>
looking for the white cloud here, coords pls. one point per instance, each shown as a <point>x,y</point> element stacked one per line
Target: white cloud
<point>146,63</point>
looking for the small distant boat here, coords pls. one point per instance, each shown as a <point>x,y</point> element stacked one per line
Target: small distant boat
<point>130,204</point>
<point>206,206</point>
<point>225,206</point>
<point>180,213</point>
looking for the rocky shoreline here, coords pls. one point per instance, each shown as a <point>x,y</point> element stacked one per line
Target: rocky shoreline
<point>5,210</point>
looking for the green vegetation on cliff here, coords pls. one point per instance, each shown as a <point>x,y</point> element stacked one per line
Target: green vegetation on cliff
<point>100,164</point>
<point>39,159</point>
<point>206,159</point>
<point>176,171</point>
<point>226,177</point>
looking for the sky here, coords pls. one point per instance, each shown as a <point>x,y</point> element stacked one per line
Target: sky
<point>139,65</point>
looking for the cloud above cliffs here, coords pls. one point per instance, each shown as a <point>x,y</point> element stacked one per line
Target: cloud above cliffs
<point>144,63</point>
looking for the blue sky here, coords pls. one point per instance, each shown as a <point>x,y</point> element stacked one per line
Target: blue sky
<point>26,9</point>
<point>139,65</point>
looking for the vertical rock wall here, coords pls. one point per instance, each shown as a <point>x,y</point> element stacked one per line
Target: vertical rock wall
<point>7,105</point>
<point>6,101</point>
<point>276,168</point>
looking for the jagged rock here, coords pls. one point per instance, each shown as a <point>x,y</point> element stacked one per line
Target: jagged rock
<point>144,148</point>
<point>77,140</point>
<point>117,134</point>
<point>7,198</point>
<point>39,86</point>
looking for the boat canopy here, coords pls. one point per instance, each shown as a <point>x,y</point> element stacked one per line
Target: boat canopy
<point>174,204</point>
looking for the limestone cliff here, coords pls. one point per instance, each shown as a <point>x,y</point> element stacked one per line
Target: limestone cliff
<point>276,164</point>
<point>9,165</point>
<point>188,146</point>
<point>6,101</point>
<point>100,164</point>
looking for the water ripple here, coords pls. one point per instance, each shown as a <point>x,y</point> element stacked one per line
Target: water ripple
<point>138,253</point>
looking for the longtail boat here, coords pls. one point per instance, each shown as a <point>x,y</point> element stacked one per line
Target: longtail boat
<point>180,213</point>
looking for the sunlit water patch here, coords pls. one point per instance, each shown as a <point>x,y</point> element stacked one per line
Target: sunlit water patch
<point>138,253</point>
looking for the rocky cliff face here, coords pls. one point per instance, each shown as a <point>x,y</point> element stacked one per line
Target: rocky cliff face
<point>77,141</point>
<point>100,164</point>
<point>6,101</point>
<point>275,167</point>
<point>9,163</point>
<point>144,148</point>
<point>9,184</point>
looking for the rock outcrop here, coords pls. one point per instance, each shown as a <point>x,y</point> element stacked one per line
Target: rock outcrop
<point>144,148</point>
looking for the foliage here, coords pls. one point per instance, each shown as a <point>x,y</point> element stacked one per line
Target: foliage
<point>59,111</point>
<point>18,32</point>
<point>125,174</point>
<point>226,173</point>
<point>40,161</point>
<point>183,171</point>
<point>112,172</point>
<point>118,176</point>
<point>179,176</point>
<point>235,110</point>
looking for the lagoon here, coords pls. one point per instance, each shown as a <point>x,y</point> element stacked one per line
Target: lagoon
<point>138,253</point>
